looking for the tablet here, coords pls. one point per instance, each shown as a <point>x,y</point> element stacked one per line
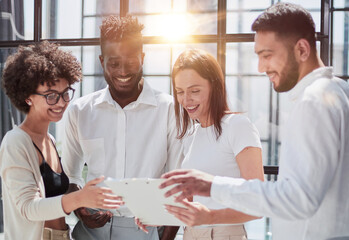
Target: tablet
<point>145,200</point>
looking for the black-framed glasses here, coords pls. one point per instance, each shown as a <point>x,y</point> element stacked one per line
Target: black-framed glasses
<point>53,98</point>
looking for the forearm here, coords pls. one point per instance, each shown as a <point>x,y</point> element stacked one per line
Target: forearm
<point>169,233</point>
<point>71,202</point>
<point>229,216</point>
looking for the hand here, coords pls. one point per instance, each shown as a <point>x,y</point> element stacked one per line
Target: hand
<point>93,196</point>
<point>190,182</point>
<point>141,225</point>
<point>194,214</point>
<point>93,220</point>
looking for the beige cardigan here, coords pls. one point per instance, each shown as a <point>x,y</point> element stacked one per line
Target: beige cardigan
<point>23,191</point>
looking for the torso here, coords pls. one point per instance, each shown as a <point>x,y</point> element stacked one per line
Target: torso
<point>49,153</point>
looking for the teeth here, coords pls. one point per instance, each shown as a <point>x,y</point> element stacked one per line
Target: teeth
<point>124,79</point>
<point>57,110</point>
<point>191,108</point>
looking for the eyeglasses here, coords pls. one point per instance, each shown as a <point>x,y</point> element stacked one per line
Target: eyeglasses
<point>53,98</point>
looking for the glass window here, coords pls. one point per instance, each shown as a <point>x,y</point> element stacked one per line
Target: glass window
<point>176,19</point>
<point>340,43</point>
<point>340,4</point>
<point>241,14</point>
<point>16,20</point>
<point>82,21</point>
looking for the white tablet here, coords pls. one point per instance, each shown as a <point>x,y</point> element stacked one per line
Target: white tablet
<point>145,200</point>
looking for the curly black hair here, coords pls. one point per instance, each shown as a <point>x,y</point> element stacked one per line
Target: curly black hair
<point>37,64</point>
<point>116,29</point>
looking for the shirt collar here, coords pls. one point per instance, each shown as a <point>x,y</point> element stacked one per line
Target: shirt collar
<point>147,97</point>
<point>308,79</point>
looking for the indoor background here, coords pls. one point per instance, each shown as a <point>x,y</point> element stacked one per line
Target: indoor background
<point>222,27</point>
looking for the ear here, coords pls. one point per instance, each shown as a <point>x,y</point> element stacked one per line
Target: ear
<point>143,54</point>
<point>302,50</point>
<point>101,59</point>
<point>28,101</point>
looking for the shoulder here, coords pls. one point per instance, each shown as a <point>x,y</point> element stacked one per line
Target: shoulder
<point>329,92</point>
<point>15,137</point>
<point>88,99</point>
<point>235,120</point>
<point>14,147</point>
<point>162,98</point>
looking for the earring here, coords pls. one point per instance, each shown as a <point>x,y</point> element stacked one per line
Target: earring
<point>28,102</point>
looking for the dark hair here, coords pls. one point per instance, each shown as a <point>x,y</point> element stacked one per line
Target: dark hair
<point>208,68</point>
<point>37,64</point>
<point>117,29</point>
<point>288,21</point>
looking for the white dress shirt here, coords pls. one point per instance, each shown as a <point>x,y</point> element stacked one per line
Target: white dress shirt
<point>137,141</point>
<point>310,200</point>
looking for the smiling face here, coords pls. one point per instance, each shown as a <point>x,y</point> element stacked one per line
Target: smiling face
<point>276,60</point>
<point>193,94</point>
<point>122,63</point>
<point>43,111</point>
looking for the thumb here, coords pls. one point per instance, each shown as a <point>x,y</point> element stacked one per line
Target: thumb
<point>96,181</point>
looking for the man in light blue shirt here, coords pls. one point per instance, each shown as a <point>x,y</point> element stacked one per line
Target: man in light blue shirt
<point>310,198</point>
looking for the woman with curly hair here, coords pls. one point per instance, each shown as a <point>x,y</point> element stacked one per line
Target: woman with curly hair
<point>38,80</point>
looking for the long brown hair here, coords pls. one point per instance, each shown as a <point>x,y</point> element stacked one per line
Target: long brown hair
<point>208,68</point>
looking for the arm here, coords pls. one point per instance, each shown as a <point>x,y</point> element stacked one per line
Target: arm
<point>73,163</point>
<point>91,196</point>
<point>250,164</point>
<point>307,167</point>
<point>72,154</point>
<point>169,233</point>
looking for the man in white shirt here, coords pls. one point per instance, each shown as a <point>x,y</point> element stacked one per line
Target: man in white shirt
<point>310,199</point>
<point>126,130</point>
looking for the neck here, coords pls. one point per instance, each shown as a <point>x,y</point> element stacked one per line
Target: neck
<point>125,100</point>
<point>34,127</point>
<point>310,65</point>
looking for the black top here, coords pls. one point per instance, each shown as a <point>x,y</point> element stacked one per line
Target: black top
<point>55,183</point>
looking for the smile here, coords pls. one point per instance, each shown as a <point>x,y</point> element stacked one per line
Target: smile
<point>123,79</point>
<point>192,109</point>
<point>57,110</point>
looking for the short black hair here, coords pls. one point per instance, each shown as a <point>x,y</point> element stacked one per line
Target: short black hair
<point>116,29</point>
<point>37,64</point>
<point>288,21</point>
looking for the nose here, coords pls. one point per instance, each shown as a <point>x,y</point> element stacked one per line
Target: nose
<point>61,102</point>
<point>262,65</point>
<point>123,69</point>
<point>187,98</point>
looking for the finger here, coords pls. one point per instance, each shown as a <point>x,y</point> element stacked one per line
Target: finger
<point>83,211</point>
<point>173,180</point>
<point>174,173</point>
<point>184,195</point>
<point>141,226</point>
<point>95,181</point>
<point>174,190</point>
<point>103,219</point>
<point>187,204</point>
<point>112,197</point>
<point>113,202</point>
<point>183,216</point>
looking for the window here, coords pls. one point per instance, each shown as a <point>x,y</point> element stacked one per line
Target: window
<point>222,27</point>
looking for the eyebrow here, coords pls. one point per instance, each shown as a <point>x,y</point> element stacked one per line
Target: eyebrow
<point>192,86</point>
<point>263,50</point>
<point>52,90</point>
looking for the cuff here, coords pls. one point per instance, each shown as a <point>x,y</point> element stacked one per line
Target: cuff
<point>223,187</point>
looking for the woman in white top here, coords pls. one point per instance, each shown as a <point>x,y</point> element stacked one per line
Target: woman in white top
<point>222,143</point>
<point>37,80</point>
